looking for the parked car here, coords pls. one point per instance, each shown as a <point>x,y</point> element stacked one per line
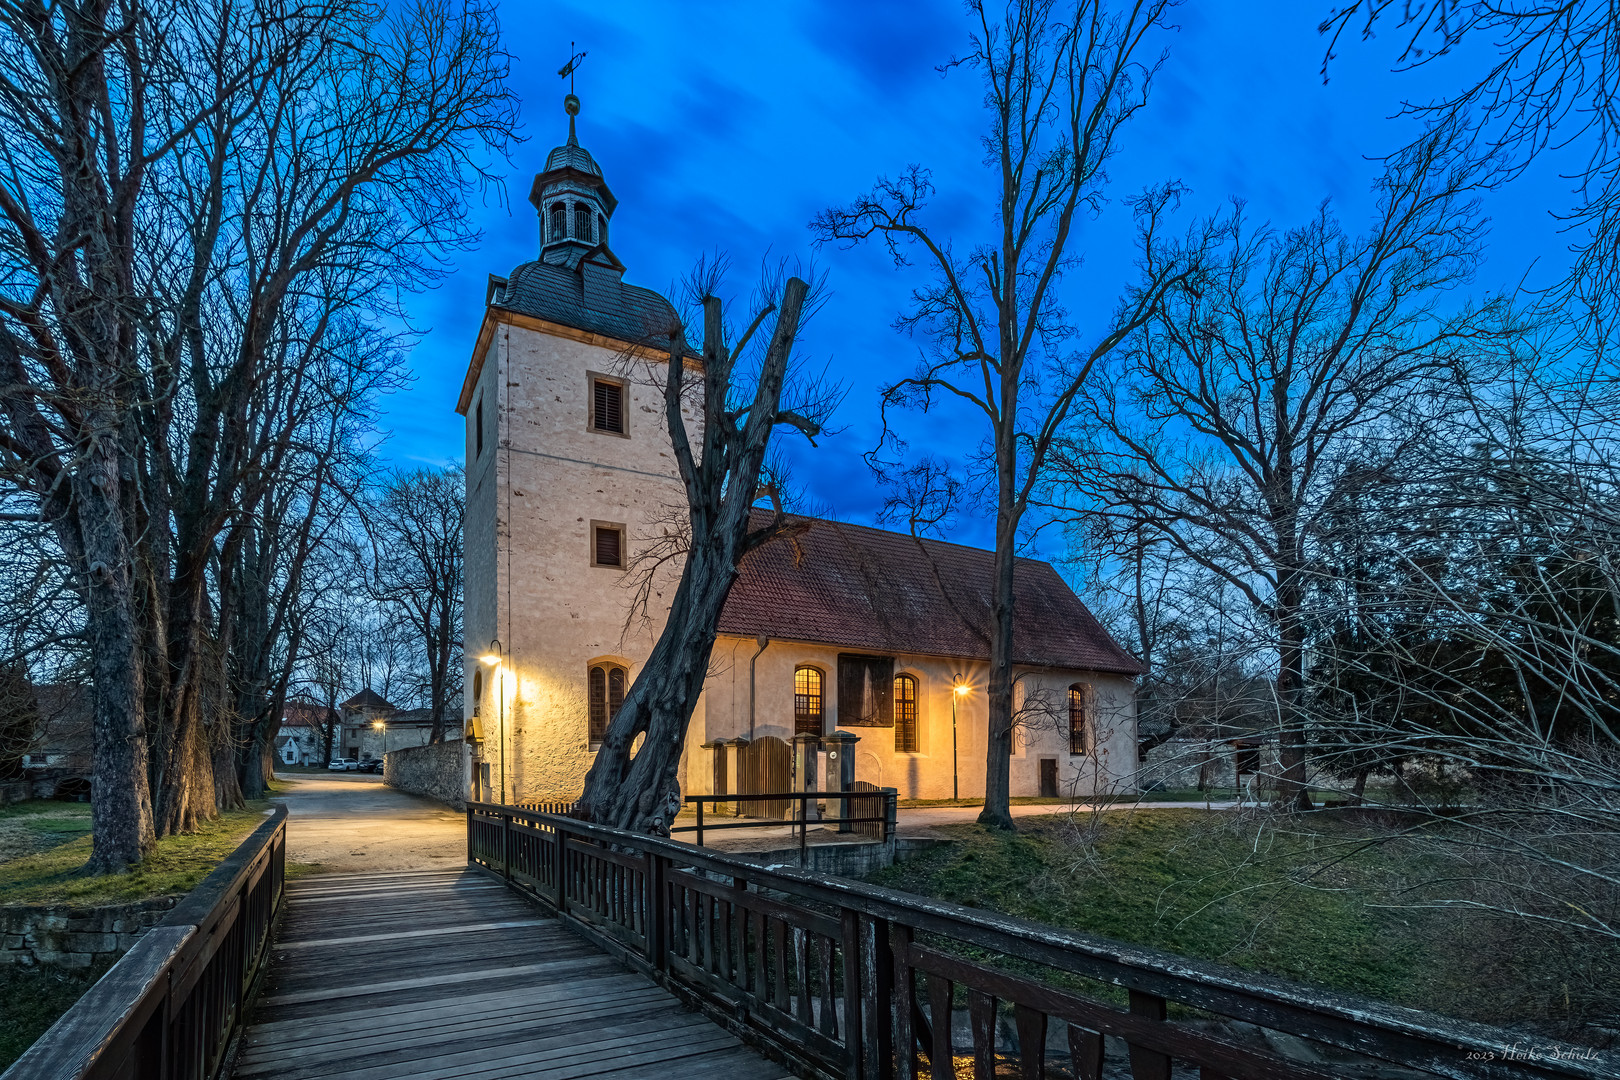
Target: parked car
<point>371,765</point>
<point>342,765</point>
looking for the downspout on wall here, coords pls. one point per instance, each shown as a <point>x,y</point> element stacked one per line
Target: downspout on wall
<point>762,641</point>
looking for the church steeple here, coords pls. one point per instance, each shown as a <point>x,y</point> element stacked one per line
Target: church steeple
<point>573,201</point>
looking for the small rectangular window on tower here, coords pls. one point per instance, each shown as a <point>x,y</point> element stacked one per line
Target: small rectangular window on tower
<point>607,405</point>
<point>607,544</point>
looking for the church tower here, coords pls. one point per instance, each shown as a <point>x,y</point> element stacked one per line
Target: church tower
<point>573,201</point>
<point>568,465</point>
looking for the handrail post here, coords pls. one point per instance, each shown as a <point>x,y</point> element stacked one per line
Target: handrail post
<point>854,1026</point>
<point>877,996</point>
<point>804,828</point>
<point>469,833</point>
<point>657,921</point>
<point>561,870</point>
<point>700,823</point>
<point>1148,1064</point>
<point>506,846</point>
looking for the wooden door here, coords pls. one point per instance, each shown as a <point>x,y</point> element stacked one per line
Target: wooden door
<point>1049,778</point>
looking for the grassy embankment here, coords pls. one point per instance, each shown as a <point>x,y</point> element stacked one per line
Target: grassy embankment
<point>45,845</point>
<point>1308,901</point>
<point>43,849</point>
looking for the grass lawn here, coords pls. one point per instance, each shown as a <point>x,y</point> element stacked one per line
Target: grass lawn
<point>44,846</point>
<point>31,1000</point>
<point>1196,883</point>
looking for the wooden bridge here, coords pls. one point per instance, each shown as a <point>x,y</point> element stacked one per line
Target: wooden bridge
<point>567,950</point>
<point>448,975</point>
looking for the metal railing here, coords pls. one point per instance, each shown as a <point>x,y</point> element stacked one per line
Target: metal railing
<point>851,980</point>
<point>854,818</point>
<point>168,1009</point>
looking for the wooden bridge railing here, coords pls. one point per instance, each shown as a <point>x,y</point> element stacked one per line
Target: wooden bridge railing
<point>860,982</point>
<point>167,1010</point>
<point>870,811</point>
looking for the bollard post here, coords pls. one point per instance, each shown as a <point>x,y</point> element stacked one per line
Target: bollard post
<point>841,772</point>
<point>806,756</point>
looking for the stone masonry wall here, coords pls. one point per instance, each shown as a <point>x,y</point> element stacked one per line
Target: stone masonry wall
<point>62,935</point>
<point>435,771</point>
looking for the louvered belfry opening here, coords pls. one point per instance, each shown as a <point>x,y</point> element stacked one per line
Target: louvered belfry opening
<point>607,410</point>
<point>609,547</point>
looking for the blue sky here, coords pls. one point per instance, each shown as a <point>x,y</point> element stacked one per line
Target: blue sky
<point>727,126</point>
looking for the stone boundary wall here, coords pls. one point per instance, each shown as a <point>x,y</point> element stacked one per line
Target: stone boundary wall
<point>67,936</point>
<point>434,771</point>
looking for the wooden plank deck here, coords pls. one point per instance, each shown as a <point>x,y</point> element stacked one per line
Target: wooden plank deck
<point>448,975</point>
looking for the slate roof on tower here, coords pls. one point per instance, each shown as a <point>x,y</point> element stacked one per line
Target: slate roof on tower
<point>627,313</point>
<point>878,591</point>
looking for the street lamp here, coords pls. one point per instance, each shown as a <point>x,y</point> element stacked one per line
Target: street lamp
<point>381,725</point>
<point>958,689</point>
<point>493,658</point>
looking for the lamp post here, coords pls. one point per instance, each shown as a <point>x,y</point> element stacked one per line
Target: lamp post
<point>958,688</point>
<point>494,658</point>
<point>381,725</point>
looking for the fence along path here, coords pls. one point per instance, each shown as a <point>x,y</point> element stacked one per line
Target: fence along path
<point>441,975</point>
<point>872,984</point>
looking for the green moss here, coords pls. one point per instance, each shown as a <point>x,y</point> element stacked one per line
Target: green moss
<point>56,873</point>
<point>1193,883</point>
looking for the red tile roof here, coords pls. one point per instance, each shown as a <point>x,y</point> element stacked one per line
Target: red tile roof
<point>878,591</point>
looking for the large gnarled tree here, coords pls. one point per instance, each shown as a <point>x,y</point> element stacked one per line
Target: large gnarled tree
<point>637,788</point>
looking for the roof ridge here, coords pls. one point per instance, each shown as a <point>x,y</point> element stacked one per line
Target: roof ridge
<point>923,539</point>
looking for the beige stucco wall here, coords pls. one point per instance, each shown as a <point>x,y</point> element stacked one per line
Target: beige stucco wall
<point>926,774</point>
<point>543,478</point>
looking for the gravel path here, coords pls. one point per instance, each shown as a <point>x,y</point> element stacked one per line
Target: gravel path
<point>353,821</point>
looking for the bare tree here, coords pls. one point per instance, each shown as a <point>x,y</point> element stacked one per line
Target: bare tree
<point>1548,82</point>
<point>1060,84</point>
<point>721,469</point>
<point>87,109</point>
<point>197,201</point>
<point>413,564</point>
<point>313,220</point>
<point>1219,431</point>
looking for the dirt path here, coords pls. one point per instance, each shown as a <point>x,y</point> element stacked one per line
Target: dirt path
<point>353,821</point>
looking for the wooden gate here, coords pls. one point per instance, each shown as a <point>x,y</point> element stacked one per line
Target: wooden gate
<point>875,807</point>
<point>765,769</point>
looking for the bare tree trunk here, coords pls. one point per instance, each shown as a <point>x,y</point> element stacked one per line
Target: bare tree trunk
<point>640,791</point>
<point>1292,790</point>
<point>120,804</point>
<point>999,735</point>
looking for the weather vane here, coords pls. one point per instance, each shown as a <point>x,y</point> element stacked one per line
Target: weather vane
<point>568,69</point>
